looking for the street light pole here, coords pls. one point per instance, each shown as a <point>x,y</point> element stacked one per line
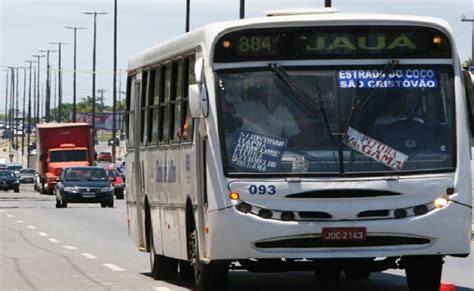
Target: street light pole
<point>60,79</point>
<point>114,90</point>
<point>75,28</point>
<point>23,115</point>
<point>37,104</point>
<point>6,96</point>
<point>242,9</point>
<point>47,103</point>
<point>94,13</point>
<point>29,116</point>
<point>188,8</point>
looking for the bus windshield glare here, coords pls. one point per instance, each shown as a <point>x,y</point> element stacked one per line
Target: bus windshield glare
<point>403,119</point>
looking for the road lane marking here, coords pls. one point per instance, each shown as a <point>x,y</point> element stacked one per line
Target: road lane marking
<point>162,289</point>
<point>19,221</point>
<point>113,267</point>
<point>42,233</point>
<point>31,226</point>
<point>53,240</point>
<point>89,256</point>
<point>1,210</point>
<point>70,247</point>
<point>9,215</point>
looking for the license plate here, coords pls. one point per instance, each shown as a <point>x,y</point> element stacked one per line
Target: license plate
<point>344,233</point>
<point>88,195</point>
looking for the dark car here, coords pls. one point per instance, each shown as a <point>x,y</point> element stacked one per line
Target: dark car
<point>116,180</point>
<point>104,157</point>
<point>84,185</point>
<point>9,181</point>
<point>27,175</point>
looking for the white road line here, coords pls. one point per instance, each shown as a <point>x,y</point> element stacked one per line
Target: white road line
<point>43,234</point>
<point>53,240</point>
<point>70,247</point>
<point>31,226</point>
<point>19,221</point>
<point>1,210</point>
<point>9,215</point>
<point>89,256</point>
<point>113,267</point>
<point>162,289</point>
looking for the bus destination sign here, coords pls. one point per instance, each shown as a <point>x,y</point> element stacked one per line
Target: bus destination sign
<point>332,42</point>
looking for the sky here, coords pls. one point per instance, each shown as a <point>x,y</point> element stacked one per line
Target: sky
<point>27,26</point>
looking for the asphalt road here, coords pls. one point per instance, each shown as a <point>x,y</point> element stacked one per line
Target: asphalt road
<point>85,247</point>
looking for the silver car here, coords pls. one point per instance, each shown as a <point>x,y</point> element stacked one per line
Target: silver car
<point>27,175</point>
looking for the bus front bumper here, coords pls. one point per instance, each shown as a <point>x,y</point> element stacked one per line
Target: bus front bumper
<point>235,235</point>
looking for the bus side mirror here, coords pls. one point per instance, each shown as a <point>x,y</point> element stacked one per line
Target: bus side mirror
<point>469,88</point>
<point>198,103</point>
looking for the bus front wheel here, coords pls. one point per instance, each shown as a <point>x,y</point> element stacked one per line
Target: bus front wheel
<point>212,276</point>
<point>423,272</point>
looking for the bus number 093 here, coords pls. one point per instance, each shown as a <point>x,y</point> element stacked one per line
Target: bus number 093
<point>262,189</point>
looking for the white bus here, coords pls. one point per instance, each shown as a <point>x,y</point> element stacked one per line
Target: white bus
<point>331,142</point>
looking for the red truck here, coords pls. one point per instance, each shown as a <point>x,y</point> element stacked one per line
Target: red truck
<point>61,145</point>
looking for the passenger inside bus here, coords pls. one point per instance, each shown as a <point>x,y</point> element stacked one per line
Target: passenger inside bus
<point>263,113</point>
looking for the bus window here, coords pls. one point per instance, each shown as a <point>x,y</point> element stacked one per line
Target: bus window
<point>187,123</point>
<point>164,101</point>
<point>175,103</point>
<point>153,105</point>
<point>143,107</point>
<point>151,130</point>
<point>129,117</point>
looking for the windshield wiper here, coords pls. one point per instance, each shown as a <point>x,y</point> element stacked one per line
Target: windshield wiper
<point>360,103</point>
<point>301,93</point>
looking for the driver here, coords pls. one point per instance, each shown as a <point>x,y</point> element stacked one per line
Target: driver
<point>401,108</point>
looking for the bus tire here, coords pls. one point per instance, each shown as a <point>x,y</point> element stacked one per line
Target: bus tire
<point>423,272</point>
<point>207,277</point>
<point>354,274</point>
<point>186,270</point>
<point>162,268</point>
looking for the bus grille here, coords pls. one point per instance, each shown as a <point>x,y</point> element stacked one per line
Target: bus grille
<point>317,242</point>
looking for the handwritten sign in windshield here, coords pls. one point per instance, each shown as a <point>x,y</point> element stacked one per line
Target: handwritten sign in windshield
<point>257,152</point>
<point>374,149</point>
<point>401,78</point>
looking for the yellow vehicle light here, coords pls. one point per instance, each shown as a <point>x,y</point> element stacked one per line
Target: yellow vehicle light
<point>234,196</point>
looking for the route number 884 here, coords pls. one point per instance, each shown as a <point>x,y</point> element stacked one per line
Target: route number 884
<point>262,189</point>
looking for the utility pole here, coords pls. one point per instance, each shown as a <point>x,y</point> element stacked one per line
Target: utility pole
<point>37,104</point>
<point>242,9</point>
<point>464,19</point>
<point>12,104</point>
<point>114,93</point>
<point>15,113</point>
<point>188,9</point>
<point>47,103</point>
<point>29,116</point>
<point>6,96</point>
<point>94,13</point>
<point>75,28</point>
<point>24,113</point>
<point>60,79</point>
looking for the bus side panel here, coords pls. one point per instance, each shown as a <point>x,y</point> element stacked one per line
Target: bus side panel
<point>170,225</point>
<point>153,196</point>
<point>188,189</point>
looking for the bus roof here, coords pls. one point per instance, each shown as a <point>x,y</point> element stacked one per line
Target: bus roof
<point>207,34</point>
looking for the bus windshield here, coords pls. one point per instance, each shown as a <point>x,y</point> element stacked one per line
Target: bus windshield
<point>403,120</point>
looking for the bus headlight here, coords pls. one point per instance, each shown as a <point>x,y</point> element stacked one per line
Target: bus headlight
<point>440,202</point>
